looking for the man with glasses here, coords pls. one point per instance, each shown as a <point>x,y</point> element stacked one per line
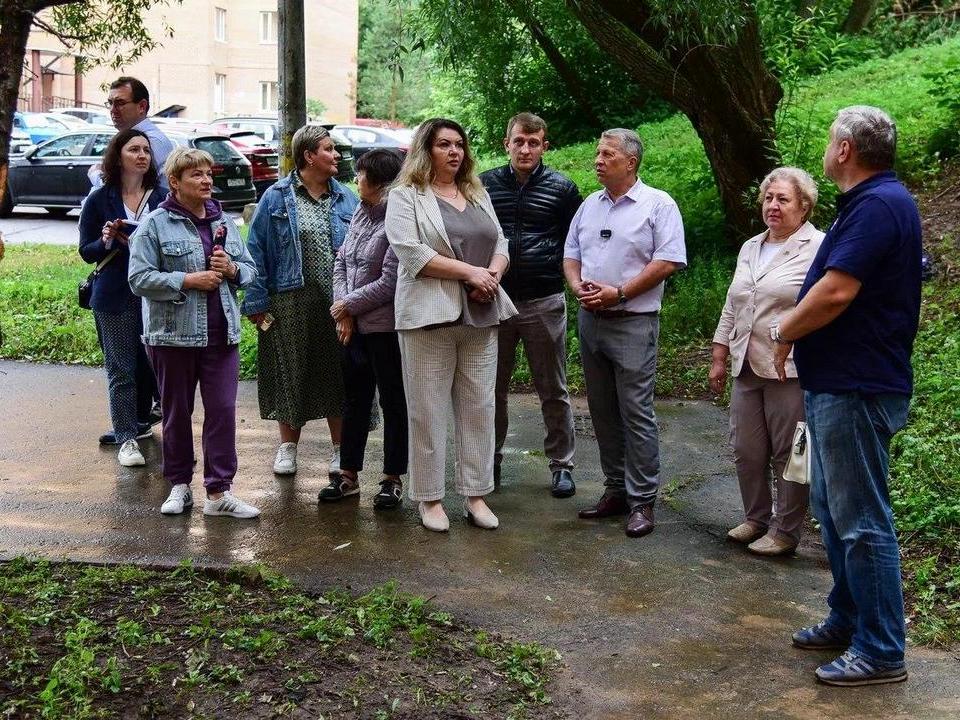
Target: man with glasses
<point>624,241</point>
<point>129,102</point>
<point>535,204</point>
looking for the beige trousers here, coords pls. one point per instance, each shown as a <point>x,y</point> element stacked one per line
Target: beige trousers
<point>442,367</point>
<point>763,416</point>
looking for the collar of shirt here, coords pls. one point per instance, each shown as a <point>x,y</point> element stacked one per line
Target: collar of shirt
<point>633,194</point>
<point>870,183</point>
<point>298,186</point>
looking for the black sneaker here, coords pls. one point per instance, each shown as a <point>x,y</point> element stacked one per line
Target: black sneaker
<point>390,495</point>
<point>155,415</point>
<point>563,485</point>
<point>143,432</point>
<point>340,486</point>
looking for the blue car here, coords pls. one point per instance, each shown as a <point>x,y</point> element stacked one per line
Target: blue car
<point>38,126</point>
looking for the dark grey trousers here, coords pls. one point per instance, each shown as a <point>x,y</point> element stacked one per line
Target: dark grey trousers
<point>619,358</point>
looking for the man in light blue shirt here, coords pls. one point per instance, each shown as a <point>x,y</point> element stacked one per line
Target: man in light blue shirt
<point>129,103</point>
<point>624,241</point>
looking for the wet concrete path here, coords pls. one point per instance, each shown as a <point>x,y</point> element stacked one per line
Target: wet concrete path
<point>679,624</point>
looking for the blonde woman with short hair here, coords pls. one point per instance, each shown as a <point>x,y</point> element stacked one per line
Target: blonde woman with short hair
<point>452,253</point>
<point>187,261</point>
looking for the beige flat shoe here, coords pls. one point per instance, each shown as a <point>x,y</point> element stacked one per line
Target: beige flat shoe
<point>746,533</point>
<point>771,546</point>
<point>434,518</point>
<point>482,518</point>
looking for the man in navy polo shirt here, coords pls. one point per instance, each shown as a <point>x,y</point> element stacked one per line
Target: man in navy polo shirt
<point>854,327</point>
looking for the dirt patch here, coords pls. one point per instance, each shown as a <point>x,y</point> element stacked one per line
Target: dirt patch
<point>939,203</point>
<point>81,641</point>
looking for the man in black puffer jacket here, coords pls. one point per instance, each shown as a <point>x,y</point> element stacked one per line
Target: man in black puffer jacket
<point>535,206</point>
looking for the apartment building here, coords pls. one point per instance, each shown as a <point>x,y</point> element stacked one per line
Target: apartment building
<point>221,60</point>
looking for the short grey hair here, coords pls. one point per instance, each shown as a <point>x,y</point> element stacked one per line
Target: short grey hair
<point>630,142</point>
<point>805,186</point>
<point>871,131</point>
<point>307,138</point>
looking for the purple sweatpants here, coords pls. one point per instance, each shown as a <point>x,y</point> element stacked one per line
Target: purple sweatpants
<point>179,369</point>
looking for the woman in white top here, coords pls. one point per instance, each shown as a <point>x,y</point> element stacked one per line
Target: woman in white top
<point>763,410</point>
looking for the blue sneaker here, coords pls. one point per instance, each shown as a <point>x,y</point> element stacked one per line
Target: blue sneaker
<point>851,670</point>
<point>821,637</point>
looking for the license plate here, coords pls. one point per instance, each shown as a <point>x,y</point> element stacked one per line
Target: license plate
<point>236,182</point>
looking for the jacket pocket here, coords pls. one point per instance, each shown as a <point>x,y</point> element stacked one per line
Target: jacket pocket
<point>176,255</point>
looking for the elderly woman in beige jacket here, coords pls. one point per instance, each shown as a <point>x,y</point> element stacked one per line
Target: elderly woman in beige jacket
<point>448,304</point>
<point>764,410</point>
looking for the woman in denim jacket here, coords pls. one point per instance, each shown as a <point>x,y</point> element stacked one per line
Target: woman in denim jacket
<point>187,261</point>
<point>295,233</point>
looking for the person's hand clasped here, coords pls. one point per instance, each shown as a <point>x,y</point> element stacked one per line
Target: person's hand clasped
<point>205,280</point>
<point>220,262</point>
<point>112,230</point>
<point>338,310</point>
<point>483,284</point>
<point>597,296</point>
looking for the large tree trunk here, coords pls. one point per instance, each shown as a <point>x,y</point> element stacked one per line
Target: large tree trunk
<point>725,90</point>
<point>566,72</point>
<point>860,14</point>
<point>17,18</point>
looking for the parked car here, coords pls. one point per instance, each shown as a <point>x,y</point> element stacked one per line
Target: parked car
<point>264,160</point>
<point>92,115</point>
<point>19,141</point>
<point>38,126</point>
<point>269,129</point>
<point>365,139</point>
<point>53,175</point>
<point>69,122</point>
<point>232,173</point>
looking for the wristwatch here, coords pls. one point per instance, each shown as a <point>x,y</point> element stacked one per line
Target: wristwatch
<point>777,337</point>
<point>621,298</point>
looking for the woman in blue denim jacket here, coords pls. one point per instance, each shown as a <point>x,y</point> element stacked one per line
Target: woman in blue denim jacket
<point>187,261</point>
<point>295,233</point>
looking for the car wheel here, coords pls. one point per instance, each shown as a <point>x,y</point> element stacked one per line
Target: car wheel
<point>6,205</point>
<point>58,212</point>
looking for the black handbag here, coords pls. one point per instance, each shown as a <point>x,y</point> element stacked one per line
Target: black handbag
<point>85,289</point>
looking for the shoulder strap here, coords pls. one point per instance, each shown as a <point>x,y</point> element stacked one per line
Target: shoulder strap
<point>143,203</point>
<point>108,258</point>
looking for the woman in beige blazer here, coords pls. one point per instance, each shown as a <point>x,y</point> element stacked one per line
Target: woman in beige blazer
<point>452,254</point>
<point>763,410</point>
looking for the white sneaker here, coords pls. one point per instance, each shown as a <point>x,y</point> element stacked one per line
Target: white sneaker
<point>229,505</point>
<point>285,463</point>
<point>178,500</point>
<point>130,455</point>
<point>335,461</point>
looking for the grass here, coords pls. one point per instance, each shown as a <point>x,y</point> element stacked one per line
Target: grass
<point>80,641</point>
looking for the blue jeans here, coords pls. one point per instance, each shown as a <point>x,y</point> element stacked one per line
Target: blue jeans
<point>850,436</point>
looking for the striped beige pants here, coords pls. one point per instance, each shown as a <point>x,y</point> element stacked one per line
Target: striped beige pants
<point>442,367</point>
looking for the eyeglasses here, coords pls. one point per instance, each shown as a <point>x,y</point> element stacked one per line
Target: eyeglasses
<point>117,103</point>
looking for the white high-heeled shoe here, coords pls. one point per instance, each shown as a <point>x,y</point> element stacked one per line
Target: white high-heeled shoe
<point>438,522</point>
<point>483,519</point>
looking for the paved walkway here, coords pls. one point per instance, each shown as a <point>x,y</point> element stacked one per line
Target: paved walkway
<point>677,625</point>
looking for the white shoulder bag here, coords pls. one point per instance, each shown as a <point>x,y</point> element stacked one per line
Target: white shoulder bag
<point>798,464</point>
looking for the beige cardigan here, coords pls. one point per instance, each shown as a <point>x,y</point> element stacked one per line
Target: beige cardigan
<point>759,297</point>
<point>416,233</point>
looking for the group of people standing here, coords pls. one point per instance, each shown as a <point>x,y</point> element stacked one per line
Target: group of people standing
<point>419,291</point>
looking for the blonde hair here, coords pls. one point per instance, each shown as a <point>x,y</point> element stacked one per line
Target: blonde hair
<point>805,186</point>
<point>182,159</point>
<point>417,167</point>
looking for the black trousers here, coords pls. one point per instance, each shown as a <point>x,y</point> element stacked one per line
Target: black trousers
<point>372,362</point>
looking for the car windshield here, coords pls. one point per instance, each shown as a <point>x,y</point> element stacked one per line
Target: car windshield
<point>220,149</point>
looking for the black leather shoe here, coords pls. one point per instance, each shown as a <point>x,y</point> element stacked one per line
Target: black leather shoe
<point>496,476</point>
<point>563,485</point>
<point>640,522</point>
<point>608,506</point>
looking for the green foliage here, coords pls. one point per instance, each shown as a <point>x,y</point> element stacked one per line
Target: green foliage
<point>315,109</point>
<point>944,142</point>
<point>394,73</point>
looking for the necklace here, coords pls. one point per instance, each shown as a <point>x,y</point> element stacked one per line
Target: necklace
<point>455,195</point>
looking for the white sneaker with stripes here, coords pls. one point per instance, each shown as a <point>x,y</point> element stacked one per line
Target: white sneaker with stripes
<point>229,505</point>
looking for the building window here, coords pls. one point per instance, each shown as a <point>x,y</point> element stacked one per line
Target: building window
<point>220,24</point>
<point>268,27</point>
<point>268,96</point>
<point>219,92</point>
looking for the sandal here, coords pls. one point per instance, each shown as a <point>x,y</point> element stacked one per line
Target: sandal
<point>390,495</point>
<point>340,486</point>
